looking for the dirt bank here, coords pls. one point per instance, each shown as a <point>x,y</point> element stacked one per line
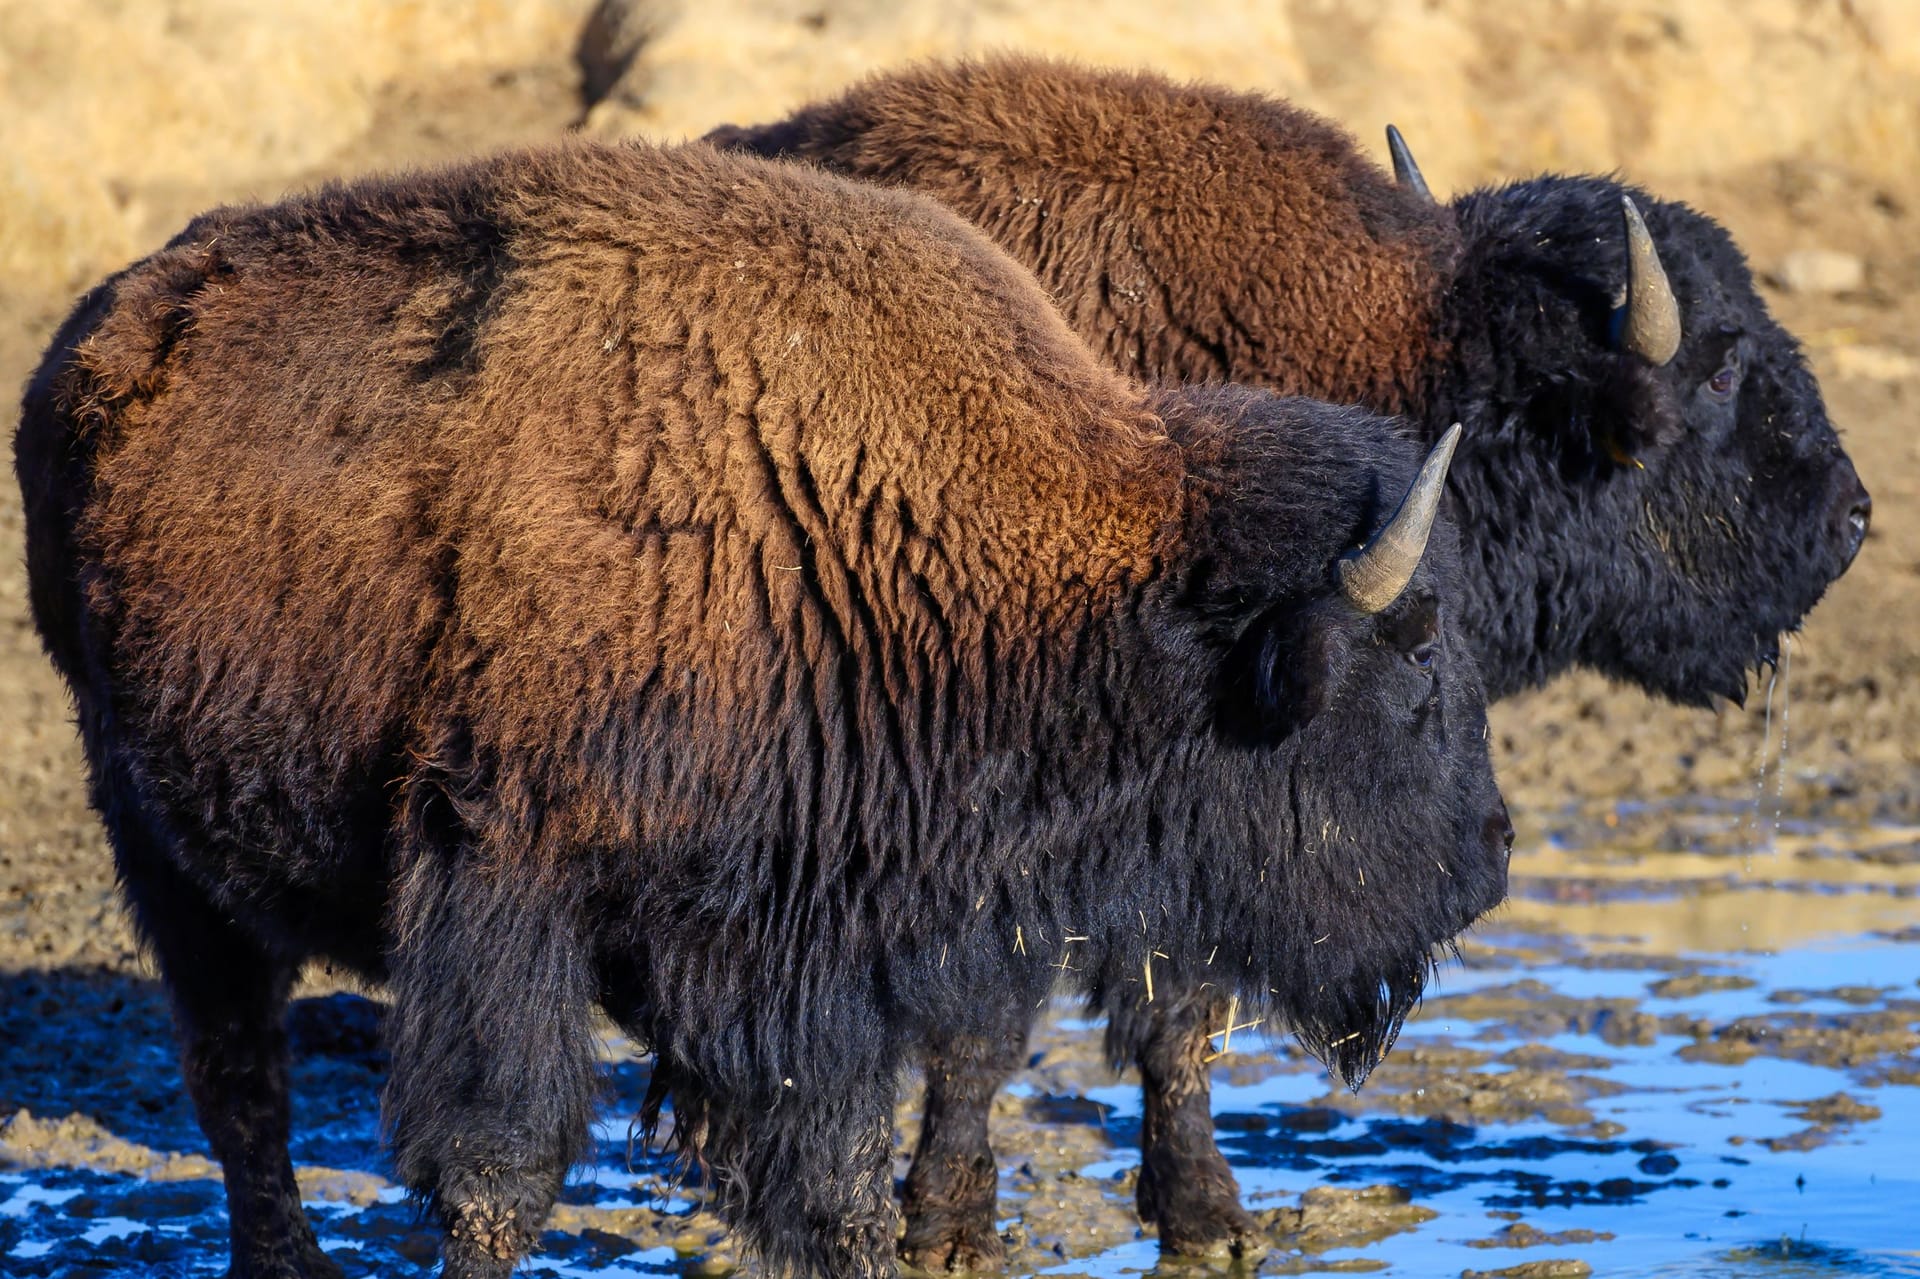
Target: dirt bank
<point>1791,122</point>
<point>182,105</point>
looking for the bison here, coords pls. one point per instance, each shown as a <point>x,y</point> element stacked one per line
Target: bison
<point>1648,485</point>
<point>730,597</point>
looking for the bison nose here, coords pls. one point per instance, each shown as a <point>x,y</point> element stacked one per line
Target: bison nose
<point>1852,513</point>
<point>1859,516</point>
<point>1500,827</point>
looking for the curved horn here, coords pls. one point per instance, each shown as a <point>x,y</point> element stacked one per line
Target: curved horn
<point>1650,326</point>
<point>1374,575</point>
<point>1405,171</point>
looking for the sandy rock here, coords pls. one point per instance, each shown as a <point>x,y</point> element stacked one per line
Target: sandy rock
<point>1796,1142</point>
<point>1820,271</point>
<point>1332,1217</point>
<point>108,104</point>
<point>1873,363</point>
<point>336,1185</point>
<point>80,1142</point>
<point>615,33</point>
<point>124,118</point>
<point>59,224</point>
<point>1522,1235</point>
<point>1840,1108</point>
<point>699,1232</point>
<point>1712,86</point>
<point>1557,1268</point>
<point>1688,985</point>
<point>1718,1052</point>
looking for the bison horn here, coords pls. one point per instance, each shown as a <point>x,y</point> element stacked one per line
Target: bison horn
<point>1648,322</point>
<point>1405,171</point>
<point>1373,576</point>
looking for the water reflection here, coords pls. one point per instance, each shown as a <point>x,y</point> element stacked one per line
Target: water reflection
<point>1670,1055</point>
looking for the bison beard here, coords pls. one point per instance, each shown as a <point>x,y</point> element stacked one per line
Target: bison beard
<point>1624,510</point>
<point>730,597</point>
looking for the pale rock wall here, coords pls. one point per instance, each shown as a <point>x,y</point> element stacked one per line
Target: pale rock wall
<point>105,101</point>
<point>1660,87</point>
<point>119,112</point>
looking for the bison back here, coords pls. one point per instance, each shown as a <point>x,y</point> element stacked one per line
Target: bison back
<point>502,479</point>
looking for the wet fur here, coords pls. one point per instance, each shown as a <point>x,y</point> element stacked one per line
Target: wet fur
<point>1615,516</point>
<point>1192,233</point>
<point>729,596</point>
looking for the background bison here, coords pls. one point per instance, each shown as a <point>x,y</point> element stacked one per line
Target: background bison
<point>1641,868</point>
<point>1648,484</point>
<point>730,597</point>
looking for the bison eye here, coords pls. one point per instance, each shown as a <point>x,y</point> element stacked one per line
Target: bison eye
<point>1425,655</point>
<point>1721,384</point>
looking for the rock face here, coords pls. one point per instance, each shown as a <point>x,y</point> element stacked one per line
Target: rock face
<point>111,104</point>
<point>1661,87</point>
<point>121,115</point>
<point>1821,271</point>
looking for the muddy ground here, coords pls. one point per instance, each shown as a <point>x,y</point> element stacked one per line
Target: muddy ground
<point>1691,1046</point>
<point>1687,1046</point>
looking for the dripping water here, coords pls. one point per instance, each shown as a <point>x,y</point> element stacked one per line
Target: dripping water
<point>1764,826</point>
<point>1786,705</point>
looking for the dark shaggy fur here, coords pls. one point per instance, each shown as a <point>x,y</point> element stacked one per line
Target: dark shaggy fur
<point>729,596</point>
<point>1660,525</point>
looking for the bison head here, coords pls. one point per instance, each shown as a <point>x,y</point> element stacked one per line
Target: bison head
<point>1641,424</point>
<point>1351,803</point>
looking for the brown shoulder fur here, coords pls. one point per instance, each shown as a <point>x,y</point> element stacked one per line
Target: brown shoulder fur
<point>732,596</point>
<point>470,409</point>
<point>1162,216</point>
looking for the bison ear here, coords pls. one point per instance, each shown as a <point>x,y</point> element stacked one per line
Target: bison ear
<point>1279,674</point>
<point>1635,416</point>
<point>771,141</point>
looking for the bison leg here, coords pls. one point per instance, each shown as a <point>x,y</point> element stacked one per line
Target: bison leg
<point>492,1082</point>
<point>950,1195</point>
<point>1186,1187</point>
<point>809,1182</point>
<point>229,1004</point>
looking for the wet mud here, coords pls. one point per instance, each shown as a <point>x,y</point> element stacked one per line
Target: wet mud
<point>1601,1083</point>
<point>1689,1045</point>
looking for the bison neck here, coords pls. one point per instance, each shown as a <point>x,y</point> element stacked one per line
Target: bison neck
<point>1541,555</point>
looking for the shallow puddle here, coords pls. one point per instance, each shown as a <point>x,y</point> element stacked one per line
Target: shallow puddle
<point>1687,1047</point>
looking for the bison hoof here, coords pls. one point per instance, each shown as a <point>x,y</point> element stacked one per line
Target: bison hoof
<point>1212,1229</point>
<point>948,1246</point>
<point>309,1264</point>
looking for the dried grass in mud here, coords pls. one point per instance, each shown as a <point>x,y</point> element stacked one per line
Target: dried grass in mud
<point>1690,1044</point>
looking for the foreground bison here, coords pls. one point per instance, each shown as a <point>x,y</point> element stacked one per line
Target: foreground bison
<point>730,597</point>
<point>1648,485</point>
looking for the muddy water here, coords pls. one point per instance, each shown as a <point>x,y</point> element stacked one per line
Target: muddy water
<point>1689,1046</point>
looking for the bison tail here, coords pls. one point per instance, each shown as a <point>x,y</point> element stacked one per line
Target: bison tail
<point>114,349</point>
<point>111,352</point>
<point>687,1143</point>
<point>489,1098</point>
<point>770,141</point>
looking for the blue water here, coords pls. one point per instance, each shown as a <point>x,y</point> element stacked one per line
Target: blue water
<point>1673,1162</point>
<point>1675,1192</point>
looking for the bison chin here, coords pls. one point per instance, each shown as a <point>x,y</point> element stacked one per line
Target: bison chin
<point>1350,1024</point>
